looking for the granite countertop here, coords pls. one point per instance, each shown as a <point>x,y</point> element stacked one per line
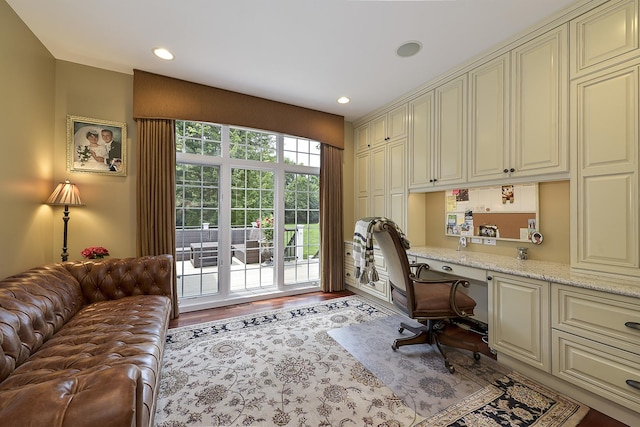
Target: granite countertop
<point>541,270</point>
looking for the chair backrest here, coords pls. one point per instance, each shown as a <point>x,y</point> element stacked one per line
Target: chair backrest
<point>394,253</point>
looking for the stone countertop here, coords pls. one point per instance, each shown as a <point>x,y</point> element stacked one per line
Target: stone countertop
<point>541,270</point>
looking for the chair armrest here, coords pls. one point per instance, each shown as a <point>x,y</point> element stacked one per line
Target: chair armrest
<point>454,284</point>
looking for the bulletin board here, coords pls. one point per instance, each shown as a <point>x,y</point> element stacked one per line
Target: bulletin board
<point>508,212</point>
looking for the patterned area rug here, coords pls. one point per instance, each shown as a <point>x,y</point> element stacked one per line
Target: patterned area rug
<point>282,368</point>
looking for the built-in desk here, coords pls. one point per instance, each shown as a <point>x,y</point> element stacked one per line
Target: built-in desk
<point>573,332</point>
<point>576,333</point>
<point>539,270</point>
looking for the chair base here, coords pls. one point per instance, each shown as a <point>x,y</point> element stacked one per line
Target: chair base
<point>432,333</point>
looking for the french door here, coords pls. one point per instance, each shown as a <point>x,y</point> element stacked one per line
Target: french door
<point>247,214</point>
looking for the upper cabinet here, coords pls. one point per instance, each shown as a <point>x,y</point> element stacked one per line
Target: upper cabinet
<point>389,126</point>
<point>489,150</point>
<point>421,141</point>
<point>605,176</point>
<point>362,137</point>
<point>450,139</point>
<point>539,114</point>
<point>605,36</point>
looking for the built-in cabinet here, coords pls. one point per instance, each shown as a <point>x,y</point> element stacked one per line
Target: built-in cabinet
<point>604,37</point>
<point>605,179</point>
<point>381,167</point>
<point>504,119</point>
<point>421,146</point>
<point>596,343</point>
<point>539,118</point>
<point>489,109</point>
<point>379,289</point>
<point>519,319</point>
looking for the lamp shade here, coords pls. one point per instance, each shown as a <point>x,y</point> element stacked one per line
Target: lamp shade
<point>66,194</point>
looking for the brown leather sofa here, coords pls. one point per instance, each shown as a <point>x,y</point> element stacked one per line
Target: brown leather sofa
<point>81,343</point>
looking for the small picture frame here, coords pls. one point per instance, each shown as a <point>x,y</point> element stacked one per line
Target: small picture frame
<point>96,146</point>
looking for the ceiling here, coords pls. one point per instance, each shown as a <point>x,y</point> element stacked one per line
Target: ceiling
<point>302,52</point>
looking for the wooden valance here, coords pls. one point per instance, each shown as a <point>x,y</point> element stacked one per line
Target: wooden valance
<point>160,97</point>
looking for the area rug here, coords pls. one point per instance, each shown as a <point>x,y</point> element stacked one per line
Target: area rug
<point>283,368</point>
<point>479,393</point>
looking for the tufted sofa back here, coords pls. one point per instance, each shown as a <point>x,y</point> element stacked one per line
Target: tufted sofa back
<point>33,306</point>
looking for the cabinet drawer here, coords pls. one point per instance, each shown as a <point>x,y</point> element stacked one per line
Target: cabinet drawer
<point>379,289</point>
<point>598,368</point>
<point>597,316</point>
<point>456,269</point>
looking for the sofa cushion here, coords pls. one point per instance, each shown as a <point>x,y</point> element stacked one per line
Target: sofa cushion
<point>33,306</point>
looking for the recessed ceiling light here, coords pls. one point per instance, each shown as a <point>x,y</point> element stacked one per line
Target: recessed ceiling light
<point>163,53</point>
<point>343,100</point>
<point>409,49</point>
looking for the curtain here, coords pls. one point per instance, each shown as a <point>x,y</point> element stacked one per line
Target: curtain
<point>155,192</point>
<point>331,235</point>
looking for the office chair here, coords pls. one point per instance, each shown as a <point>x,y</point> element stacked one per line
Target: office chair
<point>432,302</point>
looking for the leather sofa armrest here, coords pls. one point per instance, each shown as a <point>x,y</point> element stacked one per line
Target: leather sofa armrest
<point>111,397</point>
<point>114,278</point>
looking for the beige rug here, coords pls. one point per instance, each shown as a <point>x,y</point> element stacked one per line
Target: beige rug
<point>283,368</point>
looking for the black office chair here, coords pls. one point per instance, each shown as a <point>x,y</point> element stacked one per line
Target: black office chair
<point>431,302</point>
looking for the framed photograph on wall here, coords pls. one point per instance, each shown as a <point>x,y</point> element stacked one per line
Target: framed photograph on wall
<point>96,146</point>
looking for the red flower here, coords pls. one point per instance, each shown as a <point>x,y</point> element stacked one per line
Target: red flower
<point>94,252</point>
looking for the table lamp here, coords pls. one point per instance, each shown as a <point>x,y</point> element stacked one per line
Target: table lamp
<point>66,194</point>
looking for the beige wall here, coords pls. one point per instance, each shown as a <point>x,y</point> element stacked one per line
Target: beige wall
<point>26,119</point>
<point>38,93</point>
<point>108,217</point>
<point>348,198</point>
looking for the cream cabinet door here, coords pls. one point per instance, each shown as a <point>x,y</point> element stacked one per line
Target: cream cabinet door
<point>421,141</point>
<point>604,36</point>
<point>604,182</point>
<point>362,206</point>
<point>362,137</point>
<point>397,122</point>
<point>539,105</point>
<point>396,175</point>
<point>379,130</point>
<point>378,181</point>
<point>389,126</point>
<point>489,120</point>
<point>519,319</point>
<point>451,132</point>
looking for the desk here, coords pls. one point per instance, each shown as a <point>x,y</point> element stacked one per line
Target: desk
<point>204,254</point>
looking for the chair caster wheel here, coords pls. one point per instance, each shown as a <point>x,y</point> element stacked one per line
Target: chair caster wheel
<point>476,355</point>
<point>400,330</point>
<point>451,369</point>
<point>394,347</point>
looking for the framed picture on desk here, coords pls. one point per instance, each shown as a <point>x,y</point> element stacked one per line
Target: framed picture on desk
<point>96,146</point>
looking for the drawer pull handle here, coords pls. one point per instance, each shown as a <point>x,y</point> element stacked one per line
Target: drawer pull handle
<point>634,384</point>
<point>632,325</point>
<point>447,268</point>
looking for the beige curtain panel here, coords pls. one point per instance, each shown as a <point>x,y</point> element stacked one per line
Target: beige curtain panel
<point>156,203</point>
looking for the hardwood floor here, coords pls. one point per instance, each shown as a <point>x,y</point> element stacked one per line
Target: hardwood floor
<point>592,419</point>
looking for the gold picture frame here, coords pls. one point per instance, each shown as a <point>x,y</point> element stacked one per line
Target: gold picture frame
<point>96,146</point>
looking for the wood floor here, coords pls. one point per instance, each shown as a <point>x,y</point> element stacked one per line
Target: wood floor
<point>593,418</point>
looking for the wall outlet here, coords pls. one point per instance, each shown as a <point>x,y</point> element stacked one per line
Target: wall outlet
<point>463,242</point>
<point>491,242</point>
